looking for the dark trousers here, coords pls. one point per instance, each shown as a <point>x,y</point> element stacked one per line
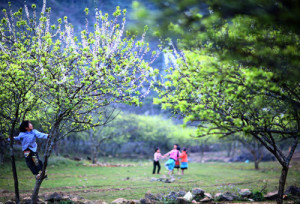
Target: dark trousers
<point>156,163</point>
<point>33,162</point>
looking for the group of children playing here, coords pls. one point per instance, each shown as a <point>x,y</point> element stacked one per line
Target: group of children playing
<point>174,160</point>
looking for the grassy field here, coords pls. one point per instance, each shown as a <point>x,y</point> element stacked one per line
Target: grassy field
<point>109,183</point>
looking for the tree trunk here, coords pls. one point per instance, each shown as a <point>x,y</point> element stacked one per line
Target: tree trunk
<point>49,146</point>
<point>38,183</point>
<point>282,181</point>
<point>94,158</point>
<point>13,163</point>
<point>256,165</point>
<point>257,158</point>
<point>229,148</point>
<point>282,159</point>
<point>14,170</point>
<point>93,146</point>
<point>234,144</point>
<point>1,158</point>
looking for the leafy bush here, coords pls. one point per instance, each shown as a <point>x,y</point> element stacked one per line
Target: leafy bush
<point>257,195</point>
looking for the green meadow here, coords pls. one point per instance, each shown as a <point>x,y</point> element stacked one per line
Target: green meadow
<point>132,182</point>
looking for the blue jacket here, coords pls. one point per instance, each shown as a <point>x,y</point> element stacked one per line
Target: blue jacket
<point>28,139</point>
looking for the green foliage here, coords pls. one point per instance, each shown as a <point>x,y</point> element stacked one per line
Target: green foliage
<point>152,130</point>
<point>73,78</point>
<point>257,196</point>
<point>140,17</point>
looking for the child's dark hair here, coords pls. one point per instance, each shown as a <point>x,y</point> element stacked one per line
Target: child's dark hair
<point>156,148</point>
<point>184,149</point>
<point>24,125</point>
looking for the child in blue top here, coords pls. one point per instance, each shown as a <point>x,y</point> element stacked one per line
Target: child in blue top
<point>27,137</point>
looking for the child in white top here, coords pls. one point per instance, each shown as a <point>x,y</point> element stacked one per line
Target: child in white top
<point>157,156</point>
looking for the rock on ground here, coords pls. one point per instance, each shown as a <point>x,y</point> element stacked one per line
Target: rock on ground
<point>145,201</point>
<point>169,180</point>
<point>181,200</point>
<point>171,196</point>
<point>181,193</point>
<point>133,202</point>
<point>206,199</point>
<point>245,193</point>
<point>293,190</point>
<point>154,179</point>
<point>27,200</point>
<point>188,196</point>
<point>10,202</point>
<point>224,196</point>
<point>271,195</point>
<point>150,196</point>
<point>119,200</point>
<point>208,195</point>
<point>198,194</point>
<point>54,197</point>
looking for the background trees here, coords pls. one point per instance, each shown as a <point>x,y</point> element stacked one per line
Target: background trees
<point>238,76</point>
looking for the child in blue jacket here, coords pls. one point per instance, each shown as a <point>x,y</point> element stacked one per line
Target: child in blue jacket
<point>28,137</point>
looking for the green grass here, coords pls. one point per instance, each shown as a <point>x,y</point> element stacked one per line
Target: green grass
<point>109,183</point>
